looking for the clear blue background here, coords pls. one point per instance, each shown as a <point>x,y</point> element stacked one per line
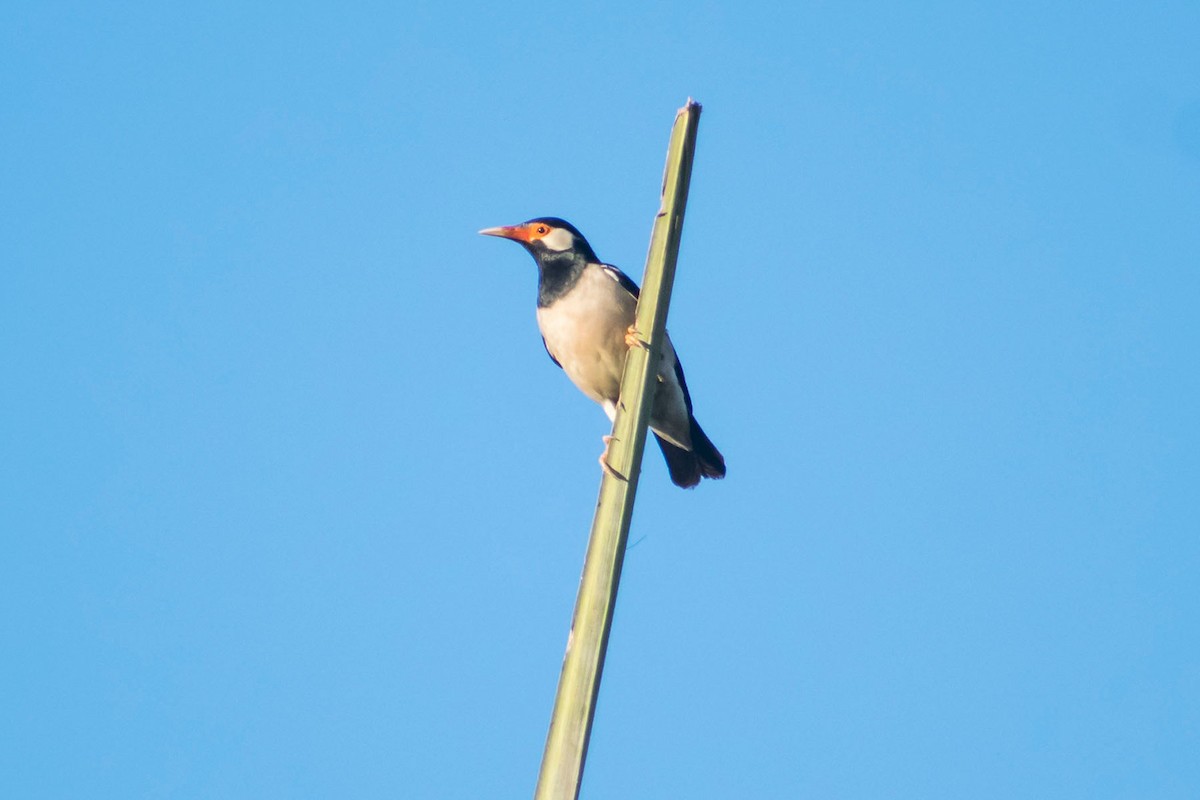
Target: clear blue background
<point>293,503</point>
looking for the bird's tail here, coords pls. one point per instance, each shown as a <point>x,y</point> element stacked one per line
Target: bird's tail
<point>687,467</point>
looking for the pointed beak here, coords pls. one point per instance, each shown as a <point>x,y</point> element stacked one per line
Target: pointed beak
<point>515,232</point>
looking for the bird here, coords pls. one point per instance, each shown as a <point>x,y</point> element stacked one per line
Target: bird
<point>585,312</point>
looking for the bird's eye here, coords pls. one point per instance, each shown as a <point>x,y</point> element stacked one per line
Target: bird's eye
<point>541,230</point>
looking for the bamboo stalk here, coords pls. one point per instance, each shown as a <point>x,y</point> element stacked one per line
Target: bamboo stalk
<point>579,683</point>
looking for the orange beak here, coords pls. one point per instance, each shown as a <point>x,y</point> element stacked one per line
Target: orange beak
<point>518,233</point>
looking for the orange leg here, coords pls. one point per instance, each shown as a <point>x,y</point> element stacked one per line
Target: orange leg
<point>604,465</point>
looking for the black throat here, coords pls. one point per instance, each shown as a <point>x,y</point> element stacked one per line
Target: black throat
<point>557,274</point>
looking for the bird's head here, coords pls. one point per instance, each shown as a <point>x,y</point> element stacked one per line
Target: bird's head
<point>547,238</point>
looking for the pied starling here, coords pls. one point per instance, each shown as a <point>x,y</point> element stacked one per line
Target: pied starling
<point>585,311</point>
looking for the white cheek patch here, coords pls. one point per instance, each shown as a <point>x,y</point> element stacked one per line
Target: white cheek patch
<point>558,240</point>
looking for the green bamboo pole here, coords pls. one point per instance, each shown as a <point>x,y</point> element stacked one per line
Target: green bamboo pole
<point>579,683</point>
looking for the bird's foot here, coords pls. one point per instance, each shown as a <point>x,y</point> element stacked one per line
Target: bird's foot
<point>632,339</point>
<point>604,465</point>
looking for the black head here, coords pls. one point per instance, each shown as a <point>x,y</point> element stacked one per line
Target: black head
<point>547,238</point>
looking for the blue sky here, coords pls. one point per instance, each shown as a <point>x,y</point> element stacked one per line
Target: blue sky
<point>294,505</point>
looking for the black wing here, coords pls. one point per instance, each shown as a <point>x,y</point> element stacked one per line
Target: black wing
<point>552,358</point>
<point>628,285</point>
<point>620,277</point>
<point>687,397</point>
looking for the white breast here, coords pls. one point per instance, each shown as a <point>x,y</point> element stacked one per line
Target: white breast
<point>585,332</point>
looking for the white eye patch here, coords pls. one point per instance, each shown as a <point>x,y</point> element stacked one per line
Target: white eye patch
<point>558,239</point>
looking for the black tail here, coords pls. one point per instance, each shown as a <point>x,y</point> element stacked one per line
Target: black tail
<point>687,467</point>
